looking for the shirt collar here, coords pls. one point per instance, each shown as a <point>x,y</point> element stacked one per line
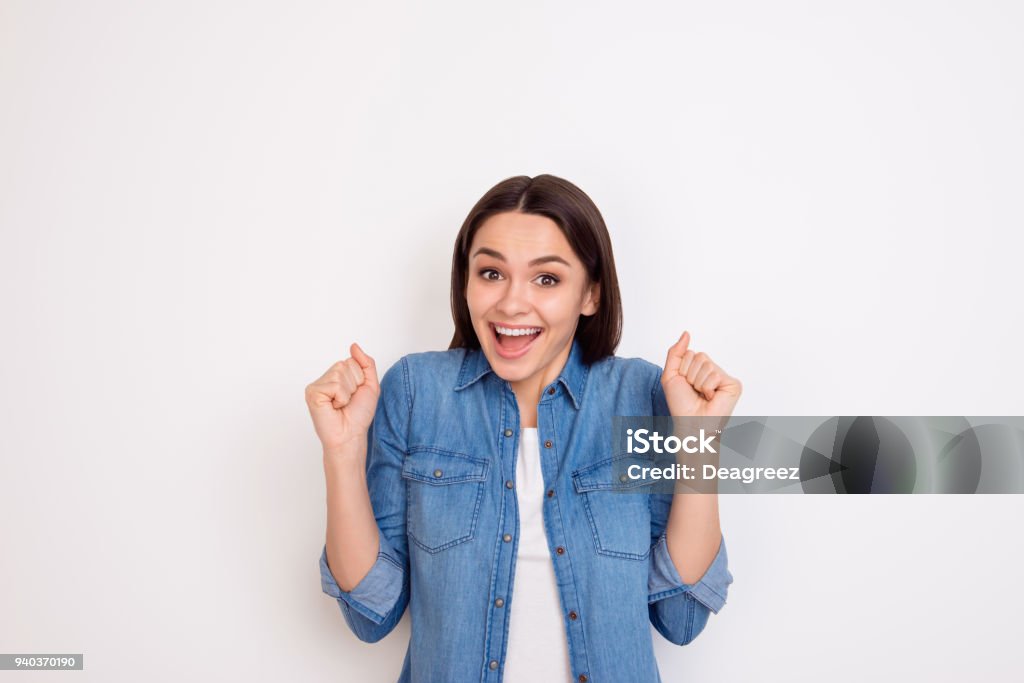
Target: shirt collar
<point>573,376</point>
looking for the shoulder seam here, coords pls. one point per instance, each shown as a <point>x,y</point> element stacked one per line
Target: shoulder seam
<point>406,387</point>
<point>654,385</point>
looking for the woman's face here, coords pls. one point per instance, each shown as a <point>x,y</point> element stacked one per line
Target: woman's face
<point>526,291</point>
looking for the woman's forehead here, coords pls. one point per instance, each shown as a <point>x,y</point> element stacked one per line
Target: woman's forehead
<point>524,237</point>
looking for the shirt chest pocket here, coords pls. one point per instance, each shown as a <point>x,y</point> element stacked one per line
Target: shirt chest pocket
<point>617,508</point>
<point>443,495</point>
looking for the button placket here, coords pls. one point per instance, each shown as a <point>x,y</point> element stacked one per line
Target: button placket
<point>497,620</point>
<point>547,419</point>
<point>505,559</point>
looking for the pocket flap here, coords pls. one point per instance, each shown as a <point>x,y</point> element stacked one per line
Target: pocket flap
<point>610,474</point>
<point>436,466</point>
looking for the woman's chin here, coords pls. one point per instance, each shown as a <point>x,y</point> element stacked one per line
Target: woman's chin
<point>511,369</point>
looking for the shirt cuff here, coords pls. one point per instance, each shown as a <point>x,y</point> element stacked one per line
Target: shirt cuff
<point>376,594</point>
<point>710,590</point>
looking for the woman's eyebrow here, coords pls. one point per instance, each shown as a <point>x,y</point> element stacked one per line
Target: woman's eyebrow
<point>534,262</point>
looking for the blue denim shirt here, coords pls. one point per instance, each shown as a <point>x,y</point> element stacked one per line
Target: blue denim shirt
<point>440,471</point>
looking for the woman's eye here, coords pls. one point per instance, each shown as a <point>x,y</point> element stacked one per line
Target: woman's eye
<point>545,280</point>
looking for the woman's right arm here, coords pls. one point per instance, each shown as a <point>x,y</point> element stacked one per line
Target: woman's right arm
<point>342,403</point>
<point>352,542</point>
<point>362,425</point>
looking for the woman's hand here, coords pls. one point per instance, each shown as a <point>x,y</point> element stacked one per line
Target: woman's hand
<point>695,386</point>
<point>343,400</point>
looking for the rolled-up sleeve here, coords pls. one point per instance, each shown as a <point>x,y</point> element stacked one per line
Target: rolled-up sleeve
<point>678,610</point>
<point>376,595</point>
<point>374,605</point>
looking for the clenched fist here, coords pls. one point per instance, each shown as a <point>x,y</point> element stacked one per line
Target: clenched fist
<point>343,400</point>
<point>695,386</point>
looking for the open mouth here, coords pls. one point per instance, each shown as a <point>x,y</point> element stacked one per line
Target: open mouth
<point>513,342</point>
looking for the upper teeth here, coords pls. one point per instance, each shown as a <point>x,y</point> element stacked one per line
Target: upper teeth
<point>517,332</point>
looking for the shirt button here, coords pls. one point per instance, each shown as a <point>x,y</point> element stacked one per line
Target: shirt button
<point>551,493</point>
<point>509,484</point>
<point>623,478</point>
<point>560,550</point>
<point>437,473</point>
<point>547,444</point>
<point>494,665</point>
<point>573,615</point>
<point>499,603</point>
<point>583,678</point>
<point>551,391</point>
<point>507,538</point>
<point>508,432</point>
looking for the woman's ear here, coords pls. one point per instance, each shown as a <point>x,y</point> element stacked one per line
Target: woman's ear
<point>590,304</point>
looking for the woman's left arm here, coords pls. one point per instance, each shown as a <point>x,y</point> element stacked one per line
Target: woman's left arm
<point>696,387</point>
<point>689,572</point>
<point>693,534</point>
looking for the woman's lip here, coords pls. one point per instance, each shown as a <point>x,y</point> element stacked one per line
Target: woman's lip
<point>515,354</point>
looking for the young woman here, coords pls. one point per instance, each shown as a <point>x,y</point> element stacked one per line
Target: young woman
<point>475,486</point>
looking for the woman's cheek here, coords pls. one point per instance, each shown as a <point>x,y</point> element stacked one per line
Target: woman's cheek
<point>559,312</point>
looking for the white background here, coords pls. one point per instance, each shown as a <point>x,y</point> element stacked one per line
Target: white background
<point>204,203</point>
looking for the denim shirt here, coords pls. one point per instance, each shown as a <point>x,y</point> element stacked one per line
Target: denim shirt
<point>440,470</point>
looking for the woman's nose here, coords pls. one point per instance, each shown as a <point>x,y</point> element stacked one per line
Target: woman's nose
<point>514,300</point>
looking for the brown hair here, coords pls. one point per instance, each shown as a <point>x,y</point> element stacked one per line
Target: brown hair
<point>578,218</point>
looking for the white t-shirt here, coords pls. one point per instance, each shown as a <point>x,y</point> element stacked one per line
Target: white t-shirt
<point>537,645</point>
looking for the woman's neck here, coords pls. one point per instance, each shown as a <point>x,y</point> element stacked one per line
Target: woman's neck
<point>528,391</point>
<point>528,416</point>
